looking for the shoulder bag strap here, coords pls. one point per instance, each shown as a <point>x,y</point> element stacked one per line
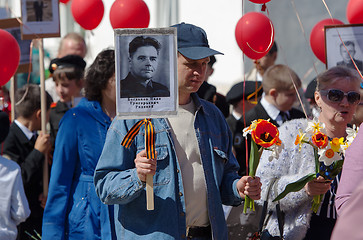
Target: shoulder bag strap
<point>265,203</point>
<point>280,216</point>
<point>279,213</point>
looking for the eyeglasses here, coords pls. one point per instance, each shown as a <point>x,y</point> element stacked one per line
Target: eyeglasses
<point>336,95</point>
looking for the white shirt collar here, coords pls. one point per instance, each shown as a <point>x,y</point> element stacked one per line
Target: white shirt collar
<point>29,134</point>
<point>272,111</point>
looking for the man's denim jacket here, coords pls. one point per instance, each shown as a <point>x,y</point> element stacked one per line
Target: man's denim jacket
<point>117,182</point>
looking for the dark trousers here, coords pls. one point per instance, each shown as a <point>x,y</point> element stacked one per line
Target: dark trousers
<point>321,228</point>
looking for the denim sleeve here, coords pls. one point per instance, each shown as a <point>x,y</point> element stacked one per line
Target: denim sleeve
<point>115,178</point>
<point>65,159</point>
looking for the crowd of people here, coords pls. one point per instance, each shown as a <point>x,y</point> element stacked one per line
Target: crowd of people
<point>97,186</point>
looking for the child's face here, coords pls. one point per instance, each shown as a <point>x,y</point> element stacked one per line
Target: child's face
<point>285,99</point>
<point>67,88</point>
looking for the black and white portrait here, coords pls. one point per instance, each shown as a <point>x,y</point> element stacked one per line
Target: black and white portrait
<point>39,10</point>
<point>146,79</point>
<point>344,45</point>
<point>142,79</point>
<point>40,19</point>
<point>347,52</point>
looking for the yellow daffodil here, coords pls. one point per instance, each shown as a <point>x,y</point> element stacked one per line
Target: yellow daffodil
<point>315,126</point>
<point>300,139</point>
<point>336,144</point>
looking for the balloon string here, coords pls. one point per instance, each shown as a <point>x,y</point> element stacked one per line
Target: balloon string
<point>308,72</point>
<point>244,101</point>
<point>303,31</point>
<point>326,6</point>
<point>30,61</point>
<point>293,83</point>
<point>340,37</point>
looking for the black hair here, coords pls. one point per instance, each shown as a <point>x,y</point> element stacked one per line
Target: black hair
<point>98,74</point>
<point>142,41</point>
<point>347,43</point>
<point>273,48</point>
<point>27,100</point>
<point>68,72</point>
<point>212,60</point>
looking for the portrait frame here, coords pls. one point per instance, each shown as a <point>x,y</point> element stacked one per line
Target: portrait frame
<point>40,20</point>
<point>142,106</point>
<point>12,26</point>
<point>335,50</point>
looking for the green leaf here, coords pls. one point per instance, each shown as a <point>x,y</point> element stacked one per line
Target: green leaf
<point>254,159</point>
<point>295,186</point>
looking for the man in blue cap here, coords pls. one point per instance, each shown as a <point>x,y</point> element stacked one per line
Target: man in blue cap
<point>194,171</point>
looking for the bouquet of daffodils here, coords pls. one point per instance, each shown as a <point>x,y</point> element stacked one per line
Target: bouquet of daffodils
<point>266,135</point>
<point>328,154</point>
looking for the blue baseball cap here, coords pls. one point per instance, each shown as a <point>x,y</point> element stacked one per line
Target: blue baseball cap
<point>193,42</point>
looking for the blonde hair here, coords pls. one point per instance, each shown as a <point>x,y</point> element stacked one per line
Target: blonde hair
<point>279,77</point>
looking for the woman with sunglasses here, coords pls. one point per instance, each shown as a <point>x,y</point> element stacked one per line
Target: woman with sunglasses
<point>337,95</point>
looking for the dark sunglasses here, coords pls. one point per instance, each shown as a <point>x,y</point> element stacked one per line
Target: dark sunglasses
<point>336,95</point>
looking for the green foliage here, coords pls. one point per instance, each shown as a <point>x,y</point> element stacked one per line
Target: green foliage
<point>295,186</point>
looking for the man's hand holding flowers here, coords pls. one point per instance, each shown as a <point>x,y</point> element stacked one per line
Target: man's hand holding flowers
<point>250,186</point>
<point>266,135</point>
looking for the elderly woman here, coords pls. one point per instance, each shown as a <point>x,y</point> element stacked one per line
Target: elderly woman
<point>73,210</point>
<point>337,95</point>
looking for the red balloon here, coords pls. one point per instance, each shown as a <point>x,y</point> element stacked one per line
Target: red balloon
<point>129,14</point>
<point>317,38</point>
<point>87,13</point>
<point>260,1</point>
<point>254,35</point>
<point>355,11</point>
<point>64,1</point>
<point>10,52</point>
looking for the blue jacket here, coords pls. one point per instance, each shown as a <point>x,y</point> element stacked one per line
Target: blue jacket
<point>117,182</point>
<point>73,210</point>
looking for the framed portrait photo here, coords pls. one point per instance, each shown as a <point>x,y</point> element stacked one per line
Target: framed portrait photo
<point>344,43</point>
<point>146,72</point>
<point>12,26</point>
<point>40,19</point>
